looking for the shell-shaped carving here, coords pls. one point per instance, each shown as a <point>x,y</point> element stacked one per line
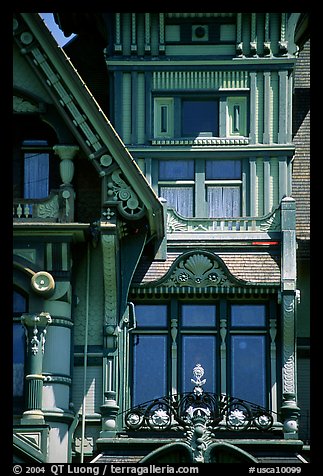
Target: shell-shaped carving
<point>198,264</point>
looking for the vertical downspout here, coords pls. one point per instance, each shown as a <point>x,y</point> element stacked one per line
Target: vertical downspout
<point>85,348</point>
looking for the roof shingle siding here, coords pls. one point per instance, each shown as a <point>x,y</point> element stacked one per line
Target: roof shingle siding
<point>301,139</point>
<point>256,267</point>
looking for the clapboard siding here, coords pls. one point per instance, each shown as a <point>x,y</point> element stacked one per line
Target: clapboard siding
<point>304,397</point>
<point>94,389</point>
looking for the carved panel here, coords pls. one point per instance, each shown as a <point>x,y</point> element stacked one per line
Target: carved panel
<point>288,303</point>
<point>109,275</point>
<point>198,270</point>
<point>22,105</point>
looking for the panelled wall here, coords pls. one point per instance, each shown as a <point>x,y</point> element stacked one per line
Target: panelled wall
<point>269,93</point>
<point>239,60</point>
<point>268,126</point>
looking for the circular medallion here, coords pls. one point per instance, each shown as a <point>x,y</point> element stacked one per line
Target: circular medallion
<point>43,283</point>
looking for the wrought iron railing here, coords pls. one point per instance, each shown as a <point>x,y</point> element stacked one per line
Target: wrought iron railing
<point>209,410</point>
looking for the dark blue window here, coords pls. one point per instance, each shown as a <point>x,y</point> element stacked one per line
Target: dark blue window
<point>200,118</point>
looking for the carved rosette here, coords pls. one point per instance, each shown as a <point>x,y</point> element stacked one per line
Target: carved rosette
<point>119,192</point>
<point>199,271</point>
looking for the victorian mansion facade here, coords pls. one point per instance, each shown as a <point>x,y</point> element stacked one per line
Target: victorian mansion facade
<point>160,238</point>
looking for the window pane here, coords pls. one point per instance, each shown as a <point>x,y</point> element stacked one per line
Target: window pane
<point>198,315</point>
<point>199,117</point>
<point>150,367</point>
<point>18,359</point>
<point>176,169</point>
<point>36,171</point>
<point>198,350</point>
<point>248,315</point>
<point>180,198</point>
<point>223,169</point>
<point>223,202</point>
<point>151,315</point>
<point>248,367</point>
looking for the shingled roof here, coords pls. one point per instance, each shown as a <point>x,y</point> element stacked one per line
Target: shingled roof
<point>301,139</point>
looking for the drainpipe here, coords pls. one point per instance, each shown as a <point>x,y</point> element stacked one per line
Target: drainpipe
<point>85,348</point>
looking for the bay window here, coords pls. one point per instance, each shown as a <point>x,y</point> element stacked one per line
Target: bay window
<point>229,339</point>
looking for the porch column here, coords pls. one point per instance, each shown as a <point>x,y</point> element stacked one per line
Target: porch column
<point>35,329</point>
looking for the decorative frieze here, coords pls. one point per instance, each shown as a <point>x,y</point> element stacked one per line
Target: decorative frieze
<point>200,80</point>
<point>208,141</point>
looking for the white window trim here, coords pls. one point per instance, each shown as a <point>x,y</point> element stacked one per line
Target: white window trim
<point>241,103</point>
<point>168,104</point>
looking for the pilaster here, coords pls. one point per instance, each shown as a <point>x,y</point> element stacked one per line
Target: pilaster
<point>110,273</point>
<point>289,409</point>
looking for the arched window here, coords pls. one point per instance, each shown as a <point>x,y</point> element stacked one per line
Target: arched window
<point>19,307</point>
<point>35,167</point>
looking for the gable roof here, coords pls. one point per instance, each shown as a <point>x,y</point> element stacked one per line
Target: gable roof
<point>82,114</point>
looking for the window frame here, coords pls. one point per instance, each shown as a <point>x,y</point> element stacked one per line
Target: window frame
<point>200,186</point>
<point>37,147</point>
<point>226,101</point>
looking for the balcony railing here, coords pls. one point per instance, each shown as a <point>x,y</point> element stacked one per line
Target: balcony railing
<point>267,223</point>
<point>58,207</point>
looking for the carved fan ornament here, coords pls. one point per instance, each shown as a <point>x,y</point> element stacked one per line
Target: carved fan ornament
<point>198,270</point>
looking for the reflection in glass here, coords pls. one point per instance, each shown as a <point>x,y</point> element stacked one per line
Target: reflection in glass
<point>198,315</point>
<point>150,315</point>
<point>150,368</point>
<point>248,315</point>
<point>248,368</point>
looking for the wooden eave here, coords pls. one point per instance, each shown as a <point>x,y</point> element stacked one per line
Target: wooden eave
<point>97,119</point>
<point>74,231</point>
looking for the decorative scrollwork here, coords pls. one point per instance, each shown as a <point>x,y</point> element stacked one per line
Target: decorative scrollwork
<point>119,191</point>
